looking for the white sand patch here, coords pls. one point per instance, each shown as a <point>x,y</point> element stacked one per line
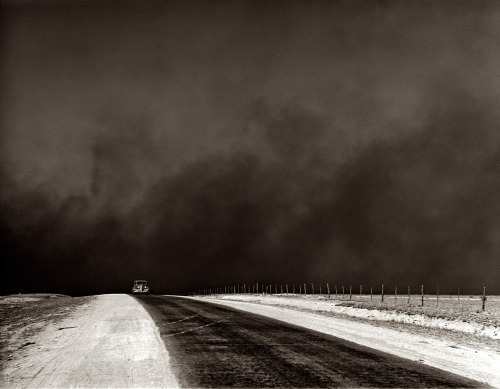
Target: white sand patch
<point>112,342</point>
<point>479,364</point>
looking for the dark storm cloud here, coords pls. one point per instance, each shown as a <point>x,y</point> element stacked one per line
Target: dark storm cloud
<point>293,134</point>
<point>204,143</point>
<point>424,204</point>
<point>123,155</point>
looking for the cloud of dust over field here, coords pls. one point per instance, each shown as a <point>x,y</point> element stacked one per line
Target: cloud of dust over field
<point>201,144</point>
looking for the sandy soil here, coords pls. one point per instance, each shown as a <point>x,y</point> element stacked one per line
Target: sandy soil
<point>480,362</point>
<point>110,341</point>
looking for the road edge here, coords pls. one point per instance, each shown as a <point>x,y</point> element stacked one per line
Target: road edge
<point>478,365</point>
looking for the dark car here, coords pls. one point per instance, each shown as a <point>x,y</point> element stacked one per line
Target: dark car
<point>140,287</point>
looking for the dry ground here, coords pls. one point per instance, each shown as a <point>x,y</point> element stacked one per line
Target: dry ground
<point>55,341</point>
<point>22,317</point>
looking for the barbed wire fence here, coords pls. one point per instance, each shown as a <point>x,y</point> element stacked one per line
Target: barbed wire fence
<point>291,290</point>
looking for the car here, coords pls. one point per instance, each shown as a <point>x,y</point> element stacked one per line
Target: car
<point>140,287</point>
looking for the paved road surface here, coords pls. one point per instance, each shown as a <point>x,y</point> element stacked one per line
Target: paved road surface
<point>215,346</point>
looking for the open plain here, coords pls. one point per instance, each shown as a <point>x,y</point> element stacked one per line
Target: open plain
<point>112,341</point>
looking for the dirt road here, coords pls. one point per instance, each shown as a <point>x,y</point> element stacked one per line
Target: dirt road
<point>482,364</point>
<point>215,346</point>
<point>110,342</point>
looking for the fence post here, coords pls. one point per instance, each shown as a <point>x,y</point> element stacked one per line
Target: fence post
<point>360,290</point>
<point>484,296</point>
<point>422,293</point>
<point>371,293</point>
<point>281,288</point>
<point>458,293</point>
<point>312,287</point>
<point>336,294</point>
<point>287,289</point>
<point>328,289</point>
<point>396,293</point>
<point>320,288</point>
<point>300,288</point>
<point>350,292</point>
<point>305,289</point>
<point>293,289</point>
<point>409,295</point>
<point>382,292</point>
<point>437,295</point>
<point>343,293</point>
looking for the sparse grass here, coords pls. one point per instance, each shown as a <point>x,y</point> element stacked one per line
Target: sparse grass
<point>467,309</point>
<point>22,316</point>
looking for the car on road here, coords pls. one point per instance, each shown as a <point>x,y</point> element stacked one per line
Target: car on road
<point>140,287</point>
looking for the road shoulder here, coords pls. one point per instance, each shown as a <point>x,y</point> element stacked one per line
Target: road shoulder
<point>480,365</point>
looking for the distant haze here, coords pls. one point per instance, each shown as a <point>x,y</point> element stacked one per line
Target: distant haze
<point>200,144</point>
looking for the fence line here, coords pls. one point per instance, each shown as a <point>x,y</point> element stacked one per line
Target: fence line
<point>257,288</point>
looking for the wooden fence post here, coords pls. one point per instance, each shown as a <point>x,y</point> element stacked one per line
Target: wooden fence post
<point>396,293</point>
<point>382,292</point>
<point>320,288</point>
<point>336,294</point>
<point>312,287</point>
<point>371,293</point>
<point>281,289</point>
<point>300,288</point>
<point>343,293</point>
<point>350,292</point>
<point>293,290</point>
<point>422,293</point>
<point>458,293</point>
<point>360,290</point>
<point>409,295</point>
<point>287,289</point>
<point>328,289</point>
<point>484,296</point>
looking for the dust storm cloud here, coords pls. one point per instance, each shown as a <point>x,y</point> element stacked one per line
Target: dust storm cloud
<point>200,144</point>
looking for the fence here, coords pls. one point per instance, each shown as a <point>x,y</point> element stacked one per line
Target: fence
<point>291,290</point>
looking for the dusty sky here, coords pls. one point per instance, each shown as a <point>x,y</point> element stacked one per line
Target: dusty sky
<point>199,144</point>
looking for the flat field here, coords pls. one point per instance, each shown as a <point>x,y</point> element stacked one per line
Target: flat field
<point>465,308</point>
